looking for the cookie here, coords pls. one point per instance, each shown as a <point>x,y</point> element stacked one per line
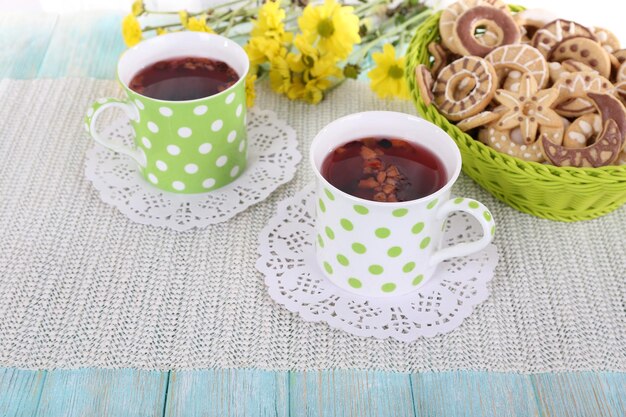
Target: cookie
<point>478,71</point>
<point>557,69</point>
<point>531,20</point>
<point>607,39</point>
<point>424,81</point>
<point>582,131</point>
<point>480,119</point>
<point>440,57</point>
<point>464,88</point>
<point>621,73</point>
<point>511,80</point>
<point>521,58</point>
<point>573,88</point>
<point>529,108</point>
<point>607,147</point>
<point>584,50</point>
<point>554,32</point>
<point>493,20</point>
<point>620,91</point>
<point>450,15</point>
<point>620,55</point>
<point>610,107</point>
<point>510,142</point>
<point>601,153</point>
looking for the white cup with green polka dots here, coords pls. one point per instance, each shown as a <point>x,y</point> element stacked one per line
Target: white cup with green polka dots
<point>191,146</point>
<point>388,249</point>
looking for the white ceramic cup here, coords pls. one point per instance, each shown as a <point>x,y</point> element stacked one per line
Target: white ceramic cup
<point>388,249</point>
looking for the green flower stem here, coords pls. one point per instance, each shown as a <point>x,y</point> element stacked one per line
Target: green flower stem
<point>232,15</point>
<point>380,36</point>
<point>208,11</point>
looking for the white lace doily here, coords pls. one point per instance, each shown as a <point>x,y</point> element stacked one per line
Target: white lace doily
<point>287,259</point>
<point>272,160</point>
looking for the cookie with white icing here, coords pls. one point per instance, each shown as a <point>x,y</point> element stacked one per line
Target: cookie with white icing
<point>479,72</point>
<point>554,32</point>
<point>521,58</point>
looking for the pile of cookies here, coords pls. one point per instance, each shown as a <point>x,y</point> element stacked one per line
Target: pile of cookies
<point>529,84</point>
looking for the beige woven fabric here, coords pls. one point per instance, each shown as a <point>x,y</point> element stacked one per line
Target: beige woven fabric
<point>80,285</point>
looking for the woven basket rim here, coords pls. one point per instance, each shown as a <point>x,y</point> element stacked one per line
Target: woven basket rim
<point>545,172</point>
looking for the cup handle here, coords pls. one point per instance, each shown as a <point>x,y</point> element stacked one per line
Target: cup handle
<point>92,116</point>
<point>480,213</point>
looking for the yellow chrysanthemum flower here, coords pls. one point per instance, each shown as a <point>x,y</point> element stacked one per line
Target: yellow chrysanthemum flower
<point>131,30</point>
<point>296,89</point>
<point>280,74</point>
<point>260,49</point>
<point>387,79</point>
<point>312,93</point>
<point>138,7</point>
<point>333,28</point>
<point>198,24</point>
<point>250,91</point>
<point>270,23</point>
<point>183,16</point>
<point>325,67</point>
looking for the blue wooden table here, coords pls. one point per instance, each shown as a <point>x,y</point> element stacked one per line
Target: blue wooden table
<point>87,45</point>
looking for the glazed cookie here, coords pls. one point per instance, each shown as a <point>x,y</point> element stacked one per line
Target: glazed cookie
<point>584,50</point>
<point>440,57</point>
<point>573,88</point>
<point>510,142</point>
<point>529,109</point>
<point>607,39</point>
<point>480,119</point>
<point>494,20</point>
<point>557,69</point>
<point>531,20</point>
<point>424,81</point>
<point>554,32</point>
<point>450,15</point>
<point>582,130</point>
<point>478,71</point>
<point>520,58</point>
<point>607,146</point>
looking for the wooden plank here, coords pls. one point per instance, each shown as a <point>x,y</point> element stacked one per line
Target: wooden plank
<point>581,394</point>
<point>20,391</point>
<point>86,44</point>
<point>24,40</point>
<point>350,393</point>
<point>471,394</point>
<point>103,392</point>
<point>228,392</point>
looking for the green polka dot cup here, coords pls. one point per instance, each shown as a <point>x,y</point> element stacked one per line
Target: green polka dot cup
<point>388,249</point>
<point>192,146</point>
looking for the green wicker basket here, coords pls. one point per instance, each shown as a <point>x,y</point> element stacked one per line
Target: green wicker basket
<point>565,194</point>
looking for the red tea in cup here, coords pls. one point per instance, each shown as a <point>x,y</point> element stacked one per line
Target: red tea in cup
<point>384,169</point>
<point>184,78</point>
